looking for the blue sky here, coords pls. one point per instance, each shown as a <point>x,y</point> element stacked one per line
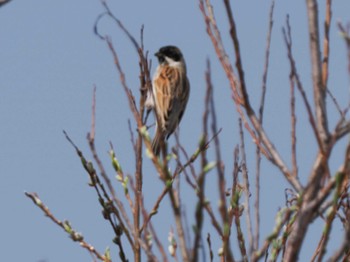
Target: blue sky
<point>50,60</point>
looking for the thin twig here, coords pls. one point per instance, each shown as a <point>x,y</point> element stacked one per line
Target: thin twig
<point>65,225</point>
<point>236,209</point>
<point>173,195</point>
<point>336,104</point>
<point>320,169</point>
<point>288,41</point>
<point>211,255</point>
<point>108,202</point>
<point>179,163</point>
<point>326,45</point>
<point>293,120</point>
<point>345,34</point>
<point>247,195</point>
<point>221,185</point>
<point>199,216</point>
<point>176,173</point>
<point>266,146</point>
<point>283,217</point>
<point>256,236</point>
<point>318,86</point>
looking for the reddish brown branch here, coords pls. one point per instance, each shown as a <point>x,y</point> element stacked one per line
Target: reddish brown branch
<point>288,40</point>
<point>320,169</point>
<point>266,146</point>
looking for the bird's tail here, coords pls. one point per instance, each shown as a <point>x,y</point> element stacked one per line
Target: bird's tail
<point>158,141</point>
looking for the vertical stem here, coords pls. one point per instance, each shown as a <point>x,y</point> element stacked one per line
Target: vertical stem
<point>256,237</point>
<point>179,227</point>
<point>318,86</point>
<point>325,61</point>
<point>138,196</point>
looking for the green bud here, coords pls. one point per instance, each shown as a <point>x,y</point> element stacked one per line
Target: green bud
<point>202,141</point>
<point>125,185</point>
<point>169,183</point>
<point>149,154</point>
<point>209,166</point>
<point>67,227</point>
<point>108,254</point>
<point>37,201</point>
<point>153,212</point>
<point>169,157</point>
<point>194,228</point>
<point>226,229</point>
<point>143,131</point>
<point>90,167</point>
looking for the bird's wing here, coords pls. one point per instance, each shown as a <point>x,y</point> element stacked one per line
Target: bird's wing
<point>185,94</point>
<point>167,93</point>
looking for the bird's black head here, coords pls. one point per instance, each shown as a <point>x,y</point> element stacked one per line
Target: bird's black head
<point>169,51</point>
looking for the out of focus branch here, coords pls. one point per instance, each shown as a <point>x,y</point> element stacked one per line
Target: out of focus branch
<point>2,2</point>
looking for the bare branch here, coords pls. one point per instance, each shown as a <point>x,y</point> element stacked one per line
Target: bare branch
<point>65,225</point>
<point>268,149</point>
<point>199,216</point>
<point>210,249</point>
<point>221,184</point>
<point>326,49</point>
<point>293,124</point>
<point>246,190</point>
<point>294,73</point>
<point>318,86</point>
<point>105,201</point>
<point>256,236</point>
<point>344,174</point>
<point>176,173</point>
<point>345,34</point>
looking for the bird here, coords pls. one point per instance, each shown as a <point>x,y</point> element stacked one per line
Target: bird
<point>169,94</point>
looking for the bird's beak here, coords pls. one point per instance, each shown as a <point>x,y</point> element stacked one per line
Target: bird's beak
<point>157,54</point>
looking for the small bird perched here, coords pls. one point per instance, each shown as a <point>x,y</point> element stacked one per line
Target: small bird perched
<point>169,95</point>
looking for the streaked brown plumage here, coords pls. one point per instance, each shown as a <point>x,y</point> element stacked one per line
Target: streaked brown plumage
<point>170,93</point>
